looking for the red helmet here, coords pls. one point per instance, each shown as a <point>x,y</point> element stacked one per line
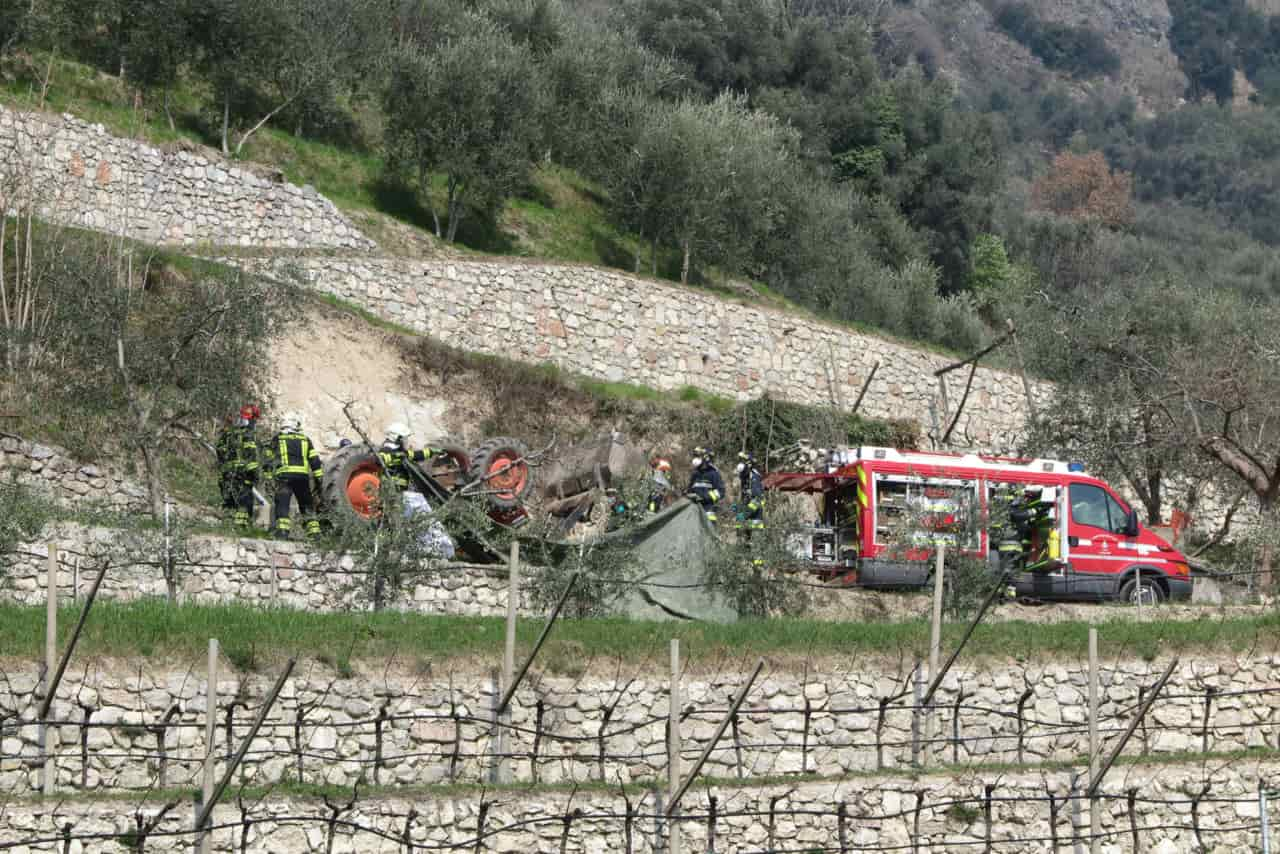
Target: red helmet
<point>250,412</point>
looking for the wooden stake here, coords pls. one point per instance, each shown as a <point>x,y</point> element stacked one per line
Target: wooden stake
<point>674,803</point>
<point>1095,819</point>
<point>206,811</point>
<point>509,658</point>
<point>210,736</point>
<point>50,656</point>
<point>673,746</point>
<point>935,639</point>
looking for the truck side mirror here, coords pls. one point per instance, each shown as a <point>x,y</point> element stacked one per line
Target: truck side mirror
<point>1131,526</point>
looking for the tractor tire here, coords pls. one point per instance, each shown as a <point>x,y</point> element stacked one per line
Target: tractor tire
<point>352,482</point>
<point>451,468</point>
<point>494,470</point>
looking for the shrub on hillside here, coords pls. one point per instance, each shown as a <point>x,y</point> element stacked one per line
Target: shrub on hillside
<point>1080,51</point>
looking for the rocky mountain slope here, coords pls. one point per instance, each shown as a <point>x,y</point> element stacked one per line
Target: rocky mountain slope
<point>973,50</point>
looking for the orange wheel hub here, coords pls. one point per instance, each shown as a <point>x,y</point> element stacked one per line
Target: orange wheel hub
<point>506,476</point>
<point>363,489</point>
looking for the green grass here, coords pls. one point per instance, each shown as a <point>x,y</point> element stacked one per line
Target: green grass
<point>256,638</point>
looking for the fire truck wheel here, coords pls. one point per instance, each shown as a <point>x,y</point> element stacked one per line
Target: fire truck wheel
<point>1152,593</point>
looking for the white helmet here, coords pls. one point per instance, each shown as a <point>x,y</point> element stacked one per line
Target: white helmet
<point>397,432</point>
<point>291,423</point>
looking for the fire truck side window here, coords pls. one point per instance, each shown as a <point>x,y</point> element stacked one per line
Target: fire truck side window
<point>1091,505</point>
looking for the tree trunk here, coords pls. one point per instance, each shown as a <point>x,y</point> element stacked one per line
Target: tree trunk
<point>653,256</point>
<point>454,216</point>
<point>454,211</point>
<point>167,113</point>
<point>639,243</point>
<point>155,489</point>
<point>1266,514</point>
<point>424,185</point>
<point>684,263</point>
<point>1155,498</point>
<point>226,121</point>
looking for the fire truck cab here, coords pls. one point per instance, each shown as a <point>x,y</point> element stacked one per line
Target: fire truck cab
<point>871,502</point>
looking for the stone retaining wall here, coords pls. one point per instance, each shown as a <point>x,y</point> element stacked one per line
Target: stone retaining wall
<point>83,176</point>
<point>61,478</point>
<point>616,327</point>
<point>265,573</point>
<point>415,722</point>
<point>1169,808</point>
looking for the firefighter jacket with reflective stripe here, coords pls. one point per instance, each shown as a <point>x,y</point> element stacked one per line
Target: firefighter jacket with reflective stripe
<point>394,459</point>
<point>238,451</point>
<point>706,485</point>
<point>751,484</point>
<point>296,455</point>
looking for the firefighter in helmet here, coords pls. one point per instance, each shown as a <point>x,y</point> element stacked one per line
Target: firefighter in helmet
<point>297,475</point>
<point>1031,517</point>
<point>397,456</point>
<point>659,483</point>
<point>238,465</point>
<point>750,511</point>
<point>1008,530</point>
<point>706,486</point>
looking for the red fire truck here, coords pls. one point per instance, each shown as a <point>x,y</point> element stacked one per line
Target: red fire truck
<point>872,501</point>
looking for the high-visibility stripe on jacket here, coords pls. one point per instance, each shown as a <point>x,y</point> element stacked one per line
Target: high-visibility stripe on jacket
<point>296,455</point>
<point>394,460</point>
<point>238,450</point>
<point>707,485</point>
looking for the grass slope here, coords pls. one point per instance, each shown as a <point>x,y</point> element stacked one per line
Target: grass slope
<point>559,217</point>
<point>256,639</point>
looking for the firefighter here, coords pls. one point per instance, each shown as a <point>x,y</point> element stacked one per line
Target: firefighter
<point>297,474</point>
<point>1007,532</point>
<point>238,465</point>
<point>750,513</point>
<point>1030,515</point>
<point>706,486</point>
<point>397,456</point>
<point>660,483</point>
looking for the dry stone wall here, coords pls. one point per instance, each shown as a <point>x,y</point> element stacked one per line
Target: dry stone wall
<point>1029,812</point>
<point>56,475</point>
<point>81,175</point>
<point>131,725</point>
<point>621,328</point>
<point>215,570</point>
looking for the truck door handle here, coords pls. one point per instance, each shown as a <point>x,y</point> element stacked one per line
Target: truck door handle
<point>1073,541</point>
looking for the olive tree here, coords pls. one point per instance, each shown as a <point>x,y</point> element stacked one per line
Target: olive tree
<point>469,110</point>
<point>263,56</point>
<point>1169,377</point>
<point>153,349</point>
<point>705,176</point>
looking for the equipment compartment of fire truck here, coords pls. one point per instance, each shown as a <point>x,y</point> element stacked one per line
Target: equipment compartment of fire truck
<point>1061,534</point>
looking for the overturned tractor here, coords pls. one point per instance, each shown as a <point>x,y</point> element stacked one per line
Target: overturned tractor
<point>497,471</point>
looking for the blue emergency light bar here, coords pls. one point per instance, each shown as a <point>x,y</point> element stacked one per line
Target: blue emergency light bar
<point>1075,466</point>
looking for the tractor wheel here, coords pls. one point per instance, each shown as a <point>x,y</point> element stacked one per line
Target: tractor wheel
<point>352,483</point>
<point>453,467</point>
<point>501,472</point>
